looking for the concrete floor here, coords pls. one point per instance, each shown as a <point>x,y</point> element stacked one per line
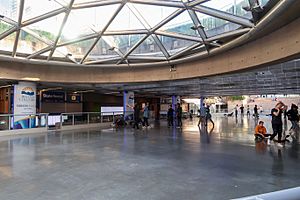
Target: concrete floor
<point>157,163</point>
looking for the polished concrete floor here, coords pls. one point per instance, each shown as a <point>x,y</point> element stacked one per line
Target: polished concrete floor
<point>157,163</point>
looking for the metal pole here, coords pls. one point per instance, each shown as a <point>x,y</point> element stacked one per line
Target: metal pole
<point>9,122</point>
<point>88,118</point>
<point>101,117</point>
<point>61,120</point>
<point>47,121</point>
<point>73,119</point>
<point>113,118</point>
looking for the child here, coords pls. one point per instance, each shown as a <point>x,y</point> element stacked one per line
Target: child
<point>260,131</point>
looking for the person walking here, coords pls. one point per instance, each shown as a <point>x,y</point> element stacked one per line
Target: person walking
<point>170,115</point>
<point>146,114</point>
<point>277,121</point>
<point>202,117</point>
<point>208,117</point>
<point>179,115</point>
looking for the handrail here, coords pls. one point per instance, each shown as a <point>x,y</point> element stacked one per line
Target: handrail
<point>62,119</point>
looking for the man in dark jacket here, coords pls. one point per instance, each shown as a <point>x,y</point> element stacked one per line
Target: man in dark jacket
<point>170,115</point>
<point>292,115</point>
<point>136,114</point>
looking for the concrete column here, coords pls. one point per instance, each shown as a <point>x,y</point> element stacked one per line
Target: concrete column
<point>174,101</point>
<point>201,101</point>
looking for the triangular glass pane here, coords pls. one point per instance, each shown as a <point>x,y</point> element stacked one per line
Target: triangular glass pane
<point>181,24</point>
<point>87,19</point>
<point>234,7</point>
<point>148,48</point>
<point>10,9</point>
<point>7,43</point>
<point>76,26</point>
<point>123,42</point>
<point>48,28</point>
<point>215,26</point>
<point>4,27</point>
<point>161,12</point>
<point>34,8</point>
<point>174,45</point>
<point>76,50</point>
<point>29,44</point>
<point>101,51</point>
<point>125,20</point>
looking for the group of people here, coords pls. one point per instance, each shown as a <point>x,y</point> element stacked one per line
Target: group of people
<point>280,108</point>
<point>242,108</point>
<point>178,115</point>
<point>137,115</point>
<point>205,115</point>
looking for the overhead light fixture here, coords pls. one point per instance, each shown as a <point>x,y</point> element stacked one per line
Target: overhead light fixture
<point>49,89</point>
<point>5,86</point>
<point>83,91</point>
<point>112,93</point>
<point>31,79</point>
<point>112,48</point>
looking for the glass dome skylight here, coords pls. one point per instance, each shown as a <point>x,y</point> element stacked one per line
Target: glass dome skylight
<point>118,32</point>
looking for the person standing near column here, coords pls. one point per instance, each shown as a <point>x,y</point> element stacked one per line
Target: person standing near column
<point>170,116</point>
<point>136,114</point>
<point>146,114</point>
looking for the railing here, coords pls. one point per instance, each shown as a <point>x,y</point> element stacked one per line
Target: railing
<point>67,119</point>
<point>11,121</point>
<point>46,120</point>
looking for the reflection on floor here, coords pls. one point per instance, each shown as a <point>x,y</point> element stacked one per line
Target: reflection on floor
<point>156,163</point>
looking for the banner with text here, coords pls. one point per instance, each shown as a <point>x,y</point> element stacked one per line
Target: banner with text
<point>24,105</point>
<point>128,105</point>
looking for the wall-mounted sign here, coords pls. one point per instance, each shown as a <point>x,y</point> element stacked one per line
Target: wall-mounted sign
<point>24,105</point>
<point>128,103</point>
<point>74,98</point>
<point>53,97</point>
